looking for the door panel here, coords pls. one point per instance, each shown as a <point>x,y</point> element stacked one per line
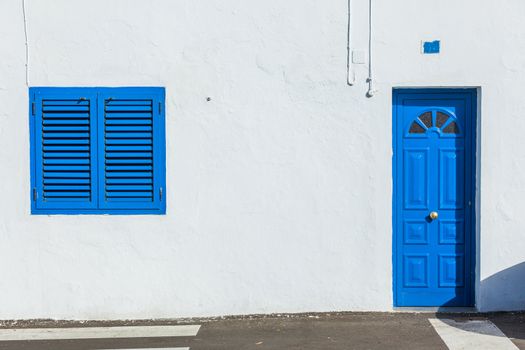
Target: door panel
<point>416,178</point>
<point>451,178</point>
<point>433,177</point>
<point>451,270</point>
<point>416,270</point>
<point>415,232</point>
<point>451,231</point>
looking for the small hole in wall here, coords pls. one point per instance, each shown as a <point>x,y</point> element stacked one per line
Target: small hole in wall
<point>208,99</point>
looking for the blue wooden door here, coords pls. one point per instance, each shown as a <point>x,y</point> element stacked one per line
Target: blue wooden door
<point>433,197</point>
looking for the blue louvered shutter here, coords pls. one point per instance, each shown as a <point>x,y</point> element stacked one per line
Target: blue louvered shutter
<point>131,149</point>
<point>64,149</point>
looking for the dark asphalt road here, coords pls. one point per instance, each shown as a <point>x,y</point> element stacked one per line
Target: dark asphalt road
<point>319,332</point>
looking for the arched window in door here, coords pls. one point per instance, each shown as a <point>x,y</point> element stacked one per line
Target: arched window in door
<point>439,121</point>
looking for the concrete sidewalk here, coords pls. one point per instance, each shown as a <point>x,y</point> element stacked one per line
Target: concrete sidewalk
<point>305,332</point>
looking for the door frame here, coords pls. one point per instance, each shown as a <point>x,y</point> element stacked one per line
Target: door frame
<point>470,187</point>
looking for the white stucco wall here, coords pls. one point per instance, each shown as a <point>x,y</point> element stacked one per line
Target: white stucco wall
<point>279,188</point>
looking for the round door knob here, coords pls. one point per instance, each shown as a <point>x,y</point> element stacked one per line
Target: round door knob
<point>433,215</point>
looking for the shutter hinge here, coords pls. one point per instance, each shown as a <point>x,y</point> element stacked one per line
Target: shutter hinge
<point>160,193</point>
<point>160,108</point>
<point>33,109</point>
<point>35,194</point>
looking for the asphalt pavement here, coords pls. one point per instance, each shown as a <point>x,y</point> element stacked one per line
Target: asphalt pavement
<point>333,331</point>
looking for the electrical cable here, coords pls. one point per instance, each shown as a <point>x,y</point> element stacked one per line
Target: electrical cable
<point>26,41</point>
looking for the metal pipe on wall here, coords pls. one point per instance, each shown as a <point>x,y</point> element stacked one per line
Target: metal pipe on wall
<point>371,90</point>
<point>350,68</point>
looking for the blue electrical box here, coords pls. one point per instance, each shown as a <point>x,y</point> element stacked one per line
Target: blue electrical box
<point>431,47</point>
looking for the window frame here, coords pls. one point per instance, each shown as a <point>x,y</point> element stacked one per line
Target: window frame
<point>157,94</point>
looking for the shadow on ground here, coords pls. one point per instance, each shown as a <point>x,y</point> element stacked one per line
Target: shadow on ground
<point>504,290</point>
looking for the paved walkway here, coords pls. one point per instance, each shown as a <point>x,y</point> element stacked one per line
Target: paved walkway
<point>320,332</point>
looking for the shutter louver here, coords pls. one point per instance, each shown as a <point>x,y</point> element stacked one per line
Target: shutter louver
<point>130,152</point>
<point>64,153</point>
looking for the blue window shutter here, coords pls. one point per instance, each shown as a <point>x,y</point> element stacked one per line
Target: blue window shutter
<point>63,126</point>
<point>132,149</point>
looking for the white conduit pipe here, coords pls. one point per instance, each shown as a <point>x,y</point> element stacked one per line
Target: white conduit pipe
<point>371,91</point>
<point>349,65</point>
